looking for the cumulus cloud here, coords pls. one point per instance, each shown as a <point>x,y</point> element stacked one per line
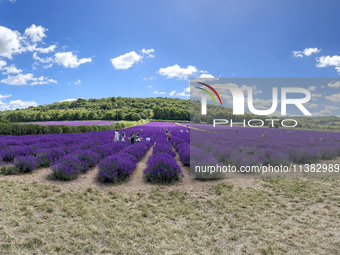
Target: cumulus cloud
<point>176,71</point>
<point>150,86</point>
<point>325,61</point>
<point>312,88</point>
<point>172,92</point>
<point>206,76</point>
<point>159,93</point>
<point>331,107</point>
<point>12,42</point>
<point>326,112</point>
<point>35,33</point>
<point>311,106</point>
<point>9,42</point>
<point>148,52</point>
<point>5,96</point>
<point>334,98</point>
<point>68,60</point>
<point>68,100</point>
<point>8,69</point>
<point>184,93</point>
<point>306,52</point>
<point>126,61</point>
<point>334,84</point>
<point>15,104</point>
<point>23,79</point>
<point>316,95</point>
<point>77,82</point>
<point>42,60</point>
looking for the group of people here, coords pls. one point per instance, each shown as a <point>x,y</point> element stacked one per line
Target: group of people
<point>133,137</point>
<point>168,135</point>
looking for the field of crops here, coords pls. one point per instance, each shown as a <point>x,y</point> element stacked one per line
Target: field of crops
<point>68,155</point>
<point>253,146</point>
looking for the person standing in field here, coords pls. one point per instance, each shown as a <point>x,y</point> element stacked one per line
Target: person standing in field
<point>113,140</point>
<point>117,136</point>
<point>132,137</point>
<point>147,139</point>
<point>169,136</point>
<point>123,137</point>
<point>166,132</point>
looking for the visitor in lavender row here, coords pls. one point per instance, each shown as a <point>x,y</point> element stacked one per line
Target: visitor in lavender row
<point>132,137</point>
<point>123,137</point>
<point>169,136</point>
<point>138,138</point>
<point>147,139</point>
<point>113,139</point>
<point>166,132</point>
<point>181,131</point>
<point>141,130</point>
<point>117,136</point>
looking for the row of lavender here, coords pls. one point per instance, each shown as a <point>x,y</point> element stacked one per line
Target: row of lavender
<point>66,154</point>
<point>162,166</point>
<point>254,146</point>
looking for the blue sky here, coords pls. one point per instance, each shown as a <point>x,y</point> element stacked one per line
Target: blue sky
<point>58,50</point>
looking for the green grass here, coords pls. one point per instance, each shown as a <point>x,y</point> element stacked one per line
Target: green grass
<point>289,216</point>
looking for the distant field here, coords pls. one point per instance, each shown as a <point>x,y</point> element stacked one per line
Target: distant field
<point>76,122</point>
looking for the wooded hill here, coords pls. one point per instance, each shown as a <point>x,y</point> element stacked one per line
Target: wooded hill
<point>159,108</point>
<point>111,108</point>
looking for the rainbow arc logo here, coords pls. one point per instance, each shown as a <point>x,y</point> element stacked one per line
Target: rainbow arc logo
<point>209,93</point>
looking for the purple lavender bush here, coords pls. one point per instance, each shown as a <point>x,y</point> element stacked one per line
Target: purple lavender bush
<point>117,167</point>
<point>184,153</point>
<point>162,168</point>
<point>44,157</point>
<point>88,157</point>
<point>137,150</point>
<point>25,164</point>
<point>68,168</point>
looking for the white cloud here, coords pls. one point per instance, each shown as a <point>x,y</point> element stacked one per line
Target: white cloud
<point>312,88</point>
<point>184,93</point>
<point>48,66</point>
<point>147,52</point>
<point>177,71</point>
<point>172,92</point>
<point>312,106</point>
<point>334,84</point>
<point>22,79</point>
<point>316,95</point>
<point>35,33</point>
<point>331,107</point>
<point>206,76</point>
<point>159,93</point>
<point>150,86</point>
<point>334,98</point>
<point>42,60</point>
<point>8,69</point>
<point>68,60</point>
<point>12,42</point>
<point>69,100</point>
<point>150,56</point>
<point>4,96</point>
<point>77,82</point>
<point>325,61</point>
<point>15,104</point>
<point>326,112</point>
<point>9,42</point>
<point>125,61</point>
<point>307,52</point>
<point>2,64</point>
